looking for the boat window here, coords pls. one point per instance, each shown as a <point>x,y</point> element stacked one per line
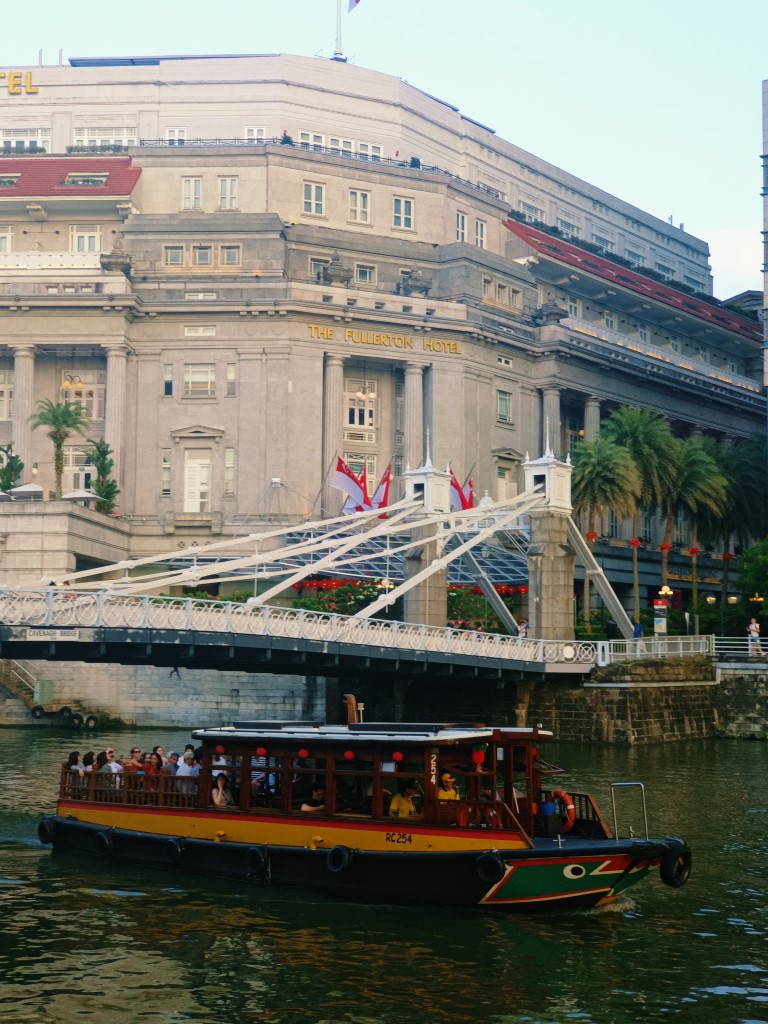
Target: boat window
<point>265,780</point>
<point>354,774</point>
<point>306,773</point>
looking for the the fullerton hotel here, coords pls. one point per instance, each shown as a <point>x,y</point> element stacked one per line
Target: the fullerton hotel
<point>246,266</point>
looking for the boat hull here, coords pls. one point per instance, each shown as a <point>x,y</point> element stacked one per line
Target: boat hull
<point>576,875</point>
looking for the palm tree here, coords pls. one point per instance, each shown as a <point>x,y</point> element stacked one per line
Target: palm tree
<point>604,476</point>
<point>61,420</point>
<point>695,486</point>
<point>647,437</point>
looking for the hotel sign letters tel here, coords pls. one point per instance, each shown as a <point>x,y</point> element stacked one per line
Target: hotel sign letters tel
<point>384,340</point>
<point>18,83</point>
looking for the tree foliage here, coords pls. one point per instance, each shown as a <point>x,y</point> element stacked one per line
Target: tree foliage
<point>104,485</point>
<point>60,420</point>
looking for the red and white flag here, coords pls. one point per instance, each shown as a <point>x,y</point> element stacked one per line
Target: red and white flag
<point>355,489</point>
<point>461,497</point>
<point>380,497</point>
<point>352,5</point>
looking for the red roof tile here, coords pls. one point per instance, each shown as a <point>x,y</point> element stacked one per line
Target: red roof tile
<point>581,259</point>
<point>43,175</point>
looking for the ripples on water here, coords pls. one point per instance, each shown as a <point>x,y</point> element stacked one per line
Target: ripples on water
<point>87,942</point>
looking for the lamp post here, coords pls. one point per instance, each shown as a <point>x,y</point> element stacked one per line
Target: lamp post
<point>660,611</point>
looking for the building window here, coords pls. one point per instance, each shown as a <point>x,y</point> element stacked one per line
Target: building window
<point>487,288</point>
<point>314,199</point>
<point>311,140</point>
<point>635,258</point>
<point>200,380</point>
<point>77,180</point>
<point>202,255</point>
<point>614,526</point>
<point>664,270</point>
<point>228,193</point>
<point>229,470</point>
<point>574,306</point>
<point>340,147</point>
<point>104,138</point>
<point>531,212</point>
<point>604,243</point>
<point>88,389</point>
<point>229,255</point>
<point>176,136</point>
<point>78,470</point>
<point>504,406</point>
<point>360,401</point>
<point>231,380</point>
<point>568,229</point>
<point>317,268</point>
<point>197,480</point>
<point>192,193</point>
<point>480,234</point>
<point>6,237</point>
<point>359,461</point>
<point>200,296</point>
<point>461,227</point>
<point>359,206</point>
<point>165,471</point>
<point>173,255</point>
<point>8,180</point>
<point>6,394</point>
<point>610,321</point>
<point>85,238</point>
<point>502,295</point>
<point>200,331</point>
<point>365,273</point>
<point>168,379</point>
<point>30,140</point>
<point>402,213</point>
<point>369,151</point>
<point>692,282</point>
<point>255,135</point>
<point>642,332</point>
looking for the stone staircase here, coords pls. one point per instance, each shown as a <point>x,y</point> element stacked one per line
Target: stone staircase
<point>17,692</point>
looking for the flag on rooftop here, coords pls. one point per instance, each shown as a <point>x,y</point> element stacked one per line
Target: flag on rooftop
<point>352,5</point>
<point>380,497</point>
<point>461,497</point>
<point>355,489</point>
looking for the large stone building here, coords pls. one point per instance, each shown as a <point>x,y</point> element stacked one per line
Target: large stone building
<point>246,266</point>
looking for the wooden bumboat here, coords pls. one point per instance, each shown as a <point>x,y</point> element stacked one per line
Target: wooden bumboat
<point>494,847</point>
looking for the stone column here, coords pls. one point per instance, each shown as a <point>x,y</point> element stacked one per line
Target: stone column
<point>414,415</point>
<point>592,418</point>
<point>23,403</point>
<point>550,424</point>
<point>550,577</point>
<point>114,419</point>
<point>333,419</point>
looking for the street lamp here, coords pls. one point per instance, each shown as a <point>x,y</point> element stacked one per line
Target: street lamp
<point>666,592</point>
<point>710,598</point>
<point>756,599</point>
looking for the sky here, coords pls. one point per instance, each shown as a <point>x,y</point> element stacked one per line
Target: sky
<point>658,103</point>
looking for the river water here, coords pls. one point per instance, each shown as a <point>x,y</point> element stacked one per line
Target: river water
<point>92,942</point>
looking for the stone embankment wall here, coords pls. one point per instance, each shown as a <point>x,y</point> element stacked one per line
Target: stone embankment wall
<point>149,696</point>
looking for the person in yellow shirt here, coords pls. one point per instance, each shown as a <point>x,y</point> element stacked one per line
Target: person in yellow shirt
<point>446,789</point>
<point>402,804</point>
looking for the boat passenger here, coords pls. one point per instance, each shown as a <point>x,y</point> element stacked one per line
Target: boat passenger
<point>75,764</point>
<point>222,797</point>
<point>187,764</point>
<point>446,790</point>
<point>135,765</point>
<point>171,763</point>
<point>402,804</point>
<point>88,761</point>
<point>316,802</point>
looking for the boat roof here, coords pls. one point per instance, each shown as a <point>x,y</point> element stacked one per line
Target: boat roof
<point>365,732</point>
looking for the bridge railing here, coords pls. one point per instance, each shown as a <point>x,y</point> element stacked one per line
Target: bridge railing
<point>610,651</point>
<point>56,608</point>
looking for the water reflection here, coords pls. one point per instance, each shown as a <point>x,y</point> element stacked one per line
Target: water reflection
<point>89,941</point>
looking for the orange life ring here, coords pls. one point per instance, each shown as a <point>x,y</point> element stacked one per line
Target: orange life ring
<point>570,810</point>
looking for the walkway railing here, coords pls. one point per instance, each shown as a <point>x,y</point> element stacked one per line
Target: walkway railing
<point>610,651</point>
<point>53,608</point>
<point>738,648</point>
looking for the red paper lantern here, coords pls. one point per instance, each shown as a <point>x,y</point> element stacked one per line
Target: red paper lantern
<point>303,753</point>
<point>397,756</point>
<point>220,749</point>
<point>478,757</point>
<point>665,547</point>
<point>261,751</point>
<point>693,552</point>
<point>349,755</point>
<point>522,590</point>
<point>591,536</point>
<point>635,543</point>
<point>727,556</point>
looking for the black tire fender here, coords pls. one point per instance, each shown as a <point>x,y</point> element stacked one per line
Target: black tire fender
<point>46,830</point>
<point>77,719</point>
<point>91,722</point>
<point>675,866</point>
<point>65,713</point>
<point>490,867</point>
<point>338,859</point>
<point>256,861</point>
<point>174,851</point>
<point>38,711</point>
<point>104,843</point>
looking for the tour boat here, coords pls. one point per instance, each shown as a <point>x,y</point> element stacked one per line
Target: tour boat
<point>502,835</point>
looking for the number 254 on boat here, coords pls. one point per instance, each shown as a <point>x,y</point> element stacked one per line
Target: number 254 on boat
<point>375,812</point>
